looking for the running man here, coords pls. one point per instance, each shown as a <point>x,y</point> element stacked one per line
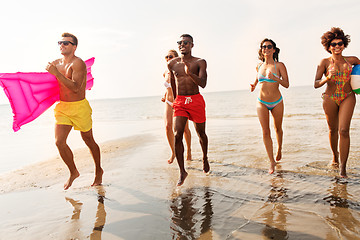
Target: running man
<point>187,73</point>
<point>73,108</point>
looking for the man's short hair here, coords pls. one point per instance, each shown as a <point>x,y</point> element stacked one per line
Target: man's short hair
<point>189,36</point>
<point>74,39</point>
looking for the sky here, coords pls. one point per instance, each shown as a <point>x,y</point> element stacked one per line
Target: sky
<point>129,39</point>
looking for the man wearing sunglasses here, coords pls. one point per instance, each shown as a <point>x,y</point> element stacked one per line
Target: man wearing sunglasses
<point>73,110</point>
<point>187,73</point>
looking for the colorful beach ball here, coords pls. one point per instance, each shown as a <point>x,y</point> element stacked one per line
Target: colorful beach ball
<point>355,79</point>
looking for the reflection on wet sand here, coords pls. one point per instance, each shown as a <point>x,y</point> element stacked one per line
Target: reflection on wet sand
<point>286,205</point>
<point>77,207</point>
<point>100,215</point>
<point>73,231</point>
<point>75,223</point>
<point>276,212</point>
<point>341,209</point>
<point>192,212</point>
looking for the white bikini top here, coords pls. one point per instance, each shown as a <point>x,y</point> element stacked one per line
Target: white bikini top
<point>167,85</point>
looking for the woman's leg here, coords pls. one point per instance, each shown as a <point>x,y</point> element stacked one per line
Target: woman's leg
<point>263,114</point>
<point>278,113</point>
<point>346,110</point>
<point>331,110</point>
<point>169,130</point>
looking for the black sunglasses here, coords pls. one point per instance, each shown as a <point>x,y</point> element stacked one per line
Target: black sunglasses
<point>169,57</point>
<point>267,46</point>
<point>333,44</point>
<point>183,42</point>
<point>65,43</point>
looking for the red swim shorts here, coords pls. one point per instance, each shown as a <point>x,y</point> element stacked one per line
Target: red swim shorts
<point>192,107</point>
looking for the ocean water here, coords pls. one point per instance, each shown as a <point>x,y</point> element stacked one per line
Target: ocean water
<point>232,126</point>
<point>303,199</point>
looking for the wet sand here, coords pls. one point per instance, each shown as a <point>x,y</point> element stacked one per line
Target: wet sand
<point>139,198</point>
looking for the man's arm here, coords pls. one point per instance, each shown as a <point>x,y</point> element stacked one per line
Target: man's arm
<point>202,78</point>
<point>172,80</point>
<point>78,75</point>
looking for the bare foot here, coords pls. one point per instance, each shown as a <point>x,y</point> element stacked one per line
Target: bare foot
<point>182,178</point>
<point>278,155</point>
<point>71,179</point>
<point>171,159</point>
<point>98,177</point>
<point>335,161</point>
<point>206,166</point>
<point>272,167</point>
<point>334,164</point>
<point>343,173</point>
<point>188,156</point>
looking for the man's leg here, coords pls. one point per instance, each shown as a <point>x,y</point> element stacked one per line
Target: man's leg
<point>179,127</point>
<point>187,135</point>
<point>61,134</point>
<point>95,152</point>
<point>200,129</point>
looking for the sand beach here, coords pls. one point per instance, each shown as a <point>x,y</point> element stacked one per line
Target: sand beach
<point>303,199</point>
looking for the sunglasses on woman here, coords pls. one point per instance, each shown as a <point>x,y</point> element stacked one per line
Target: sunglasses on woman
<point>169,57</point>
<point>267,46</point>
<point>333,44</point>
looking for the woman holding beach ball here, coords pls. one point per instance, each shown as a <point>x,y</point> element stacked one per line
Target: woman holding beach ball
<point>270,75</point>
<point>338,99</point>
<point>168,116</point>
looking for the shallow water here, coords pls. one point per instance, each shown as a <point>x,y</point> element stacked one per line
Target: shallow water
<point>303,199</point>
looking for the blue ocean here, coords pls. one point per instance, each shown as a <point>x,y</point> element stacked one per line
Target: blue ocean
<point>231,122</point>
<point>303,199</point>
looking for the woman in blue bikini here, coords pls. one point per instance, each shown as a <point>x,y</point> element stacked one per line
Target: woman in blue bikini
<point>271,74</point>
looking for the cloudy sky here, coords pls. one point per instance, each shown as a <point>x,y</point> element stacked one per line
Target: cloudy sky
<point>129,39</point>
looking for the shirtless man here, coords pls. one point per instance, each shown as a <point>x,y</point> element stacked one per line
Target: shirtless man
<point>187,73</point>
<point>73,109</point>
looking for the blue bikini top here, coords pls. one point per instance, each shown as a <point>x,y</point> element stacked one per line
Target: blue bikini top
<point>262,78</point>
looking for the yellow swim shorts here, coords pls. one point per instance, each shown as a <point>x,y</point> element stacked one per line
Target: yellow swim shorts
<point>76,114</point>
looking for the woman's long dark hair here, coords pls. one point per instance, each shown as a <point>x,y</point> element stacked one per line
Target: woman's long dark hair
<point>276,53</point>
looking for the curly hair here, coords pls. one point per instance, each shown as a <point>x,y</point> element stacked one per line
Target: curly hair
<point>276,53</point>
<point>334,33</point>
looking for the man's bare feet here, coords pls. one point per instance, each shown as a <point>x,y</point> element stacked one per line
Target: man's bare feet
<point>272,167</point>
<point>98,177</point>
<point>182,178</point>
<point>72,177</point>
<point>343,173</point>
<point>171,159</point>
<point>278,155</point>
<point>206,166</point>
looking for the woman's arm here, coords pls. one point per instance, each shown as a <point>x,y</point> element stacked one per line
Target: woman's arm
<point>253,85</point>
<point>283,80</point>
<point>353,60</point>
<point>320,71</point>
